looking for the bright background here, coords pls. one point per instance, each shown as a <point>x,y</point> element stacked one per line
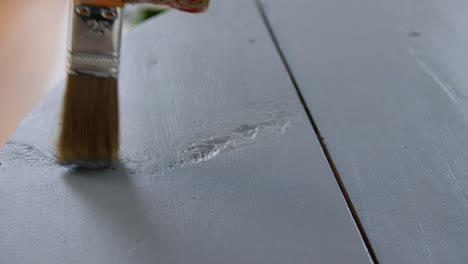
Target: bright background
<point>32,49</point>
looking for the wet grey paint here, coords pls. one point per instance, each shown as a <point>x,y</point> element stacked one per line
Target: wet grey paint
<point>219,163</point>
<point>392,108</point>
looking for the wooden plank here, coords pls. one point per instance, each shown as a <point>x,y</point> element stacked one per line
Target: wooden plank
<point>386,84</point>
<point>219,162</point>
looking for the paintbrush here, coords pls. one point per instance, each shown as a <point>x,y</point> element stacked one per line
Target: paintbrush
<point>89,134</point>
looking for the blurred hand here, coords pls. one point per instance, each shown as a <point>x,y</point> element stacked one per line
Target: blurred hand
<point>193,6</point>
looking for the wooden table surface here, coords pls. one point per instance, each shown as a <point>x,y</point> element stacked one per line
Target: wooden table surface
<point>297,131</point>
<point>386,83</point>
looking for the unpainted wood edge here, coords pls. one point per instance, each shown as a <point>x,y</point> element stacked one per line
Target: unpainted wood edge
<point>320,138</point>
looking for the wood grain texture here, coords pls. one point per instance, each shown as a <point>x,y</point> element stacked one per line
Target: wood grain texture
<point>387,86</point>
<point>219,162</point>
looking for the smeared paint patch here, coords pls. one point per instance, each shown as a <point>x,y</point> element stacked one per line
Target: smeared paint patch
<point>33,156</point>
<point>251,131</point>
<point>201,146</point>
<point>206,144</point>
<point>205,150</point>
<point>28,153</point>
<point>223,139</point>
<point>141,162</point>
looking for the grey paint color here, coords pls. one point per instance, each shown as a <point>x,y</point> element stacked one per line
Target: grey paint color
<point>387,85</point>
<point>219,163</point>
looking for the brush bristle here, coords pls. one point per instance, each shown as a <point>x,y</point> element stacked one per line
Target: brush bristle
<point>90,121</point>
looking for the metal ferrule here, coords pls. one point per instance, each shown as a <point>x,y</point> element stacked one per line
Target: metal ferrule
<point>94,40</point>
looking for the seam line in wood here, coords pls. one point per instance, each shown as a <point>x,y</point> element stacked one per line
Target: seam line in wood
<point>321,140</point>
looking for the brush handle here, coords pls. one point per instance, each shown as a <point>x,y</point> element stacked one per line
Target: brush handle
<point>192,6</point>
<point>107,3</point>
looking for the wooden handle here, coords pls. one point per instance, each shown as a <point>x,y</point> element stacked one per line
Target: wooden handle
<point>193,6</point>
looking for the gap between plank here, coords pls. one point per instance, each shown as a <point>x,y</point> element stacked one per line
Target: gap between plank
<point>338,178</point>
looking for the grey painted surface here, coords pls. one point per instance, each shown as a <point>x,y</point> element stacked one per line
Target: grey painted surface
<point>219,163</point>
<point>387,84</point>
